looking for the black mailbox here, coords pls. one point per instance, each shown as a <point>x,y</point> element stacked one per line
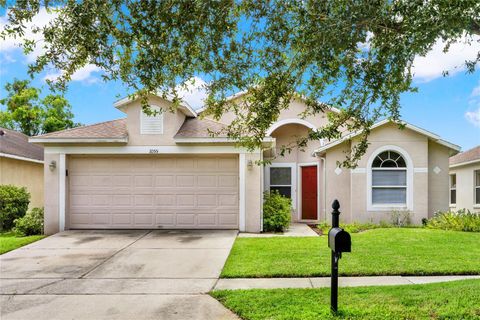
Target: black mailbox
<point>339,240</point>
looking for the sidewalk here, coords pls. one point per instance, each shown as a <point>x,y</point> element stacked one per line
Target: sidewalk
<point>278,283</point>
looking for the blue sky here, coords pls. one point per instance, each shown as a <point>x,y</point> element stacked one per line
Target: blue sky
<point>448,106</point>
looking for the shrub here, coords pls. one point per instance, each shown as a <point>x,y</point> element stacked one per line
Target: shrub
<point>13,205</point>
<point>462,220</point>
<point>401,218</point>
<point>276,212</point>
<point>31,224</point>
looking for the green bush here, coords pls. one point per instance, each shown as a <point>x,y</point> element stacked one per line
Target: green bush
<point>462,220</point>
<point>13,205</point>
<point>276,212</point>
<point>31,224</point>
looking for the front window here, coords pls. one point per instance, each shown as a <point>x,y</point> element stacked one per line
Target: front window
<point>453,189</point>
<point>477,187</point>
<point>281,180</point>
<point>389,179</point>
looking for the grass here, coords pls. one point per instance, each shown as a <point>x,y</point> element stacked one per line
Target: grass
<point>393,251</point>
<point>452,300</point>
<point>9,242</point>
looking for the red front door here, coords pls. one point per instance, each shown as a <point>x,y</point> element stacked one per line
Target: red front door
<point>309,193</point>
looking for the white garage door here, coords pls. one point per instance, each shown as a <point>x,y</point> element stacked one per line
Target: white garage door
<point>191,192</point>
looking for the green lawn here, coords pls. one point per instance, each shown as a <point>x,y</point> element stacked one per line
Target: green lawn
<point>452,300</point>
<point>9,242</point>
<point>392,251</point>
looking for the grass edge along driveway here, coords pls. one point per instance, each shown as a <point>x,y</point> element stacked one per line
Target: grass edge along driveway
<point>390,251</point>
<point>448,300</point>
<point>9,242</point>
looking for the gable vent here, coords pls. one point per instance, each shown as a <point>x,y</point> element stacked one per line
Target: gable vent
<point>151,124</point>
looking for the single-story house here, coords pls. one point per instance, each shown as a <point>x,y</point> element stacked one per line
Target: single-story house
<point>465,180</point>
<point>21,164</point>
<point>167,171</point>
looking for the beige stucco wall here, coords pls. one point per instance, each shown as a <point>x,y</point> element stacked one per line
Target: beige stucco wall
<point>24,174</point>
<point>465,187</point>
<point>354,207</point>
<point>437,179</point>
<point>172,121</point>
<point>253,193</point>
<point>51,180</point>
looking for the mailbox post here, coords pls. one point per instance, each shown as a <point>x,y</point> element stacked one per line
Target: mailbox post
<point>339,241</point>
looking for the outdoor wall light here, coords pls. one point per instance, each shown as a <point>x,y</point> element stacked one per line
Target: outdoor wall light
<point>52,165</point>
<point>249,164</point>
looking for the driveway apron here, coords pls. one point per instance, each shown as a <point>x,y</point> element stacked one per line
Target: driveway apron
<point>116,274</point>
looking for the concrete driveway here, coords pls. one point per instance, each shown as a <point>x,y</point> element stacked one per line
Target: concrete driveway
<point>136,274</point>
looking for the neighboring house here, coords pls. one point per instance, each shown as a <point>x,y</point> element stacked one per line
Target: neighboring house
<point>21,164</point>
<point>167,171</point>
<point>465,180</point>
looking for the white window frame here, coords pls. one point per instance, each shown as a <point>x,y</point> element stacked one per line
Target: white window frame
<point>293,167</point>
<point>409,163</point>
<point>159,116</point>
<point>476,202</point>
<point>450,190</point>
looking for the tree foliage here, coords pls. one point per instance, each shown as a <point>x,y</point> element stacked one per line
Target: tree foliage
<point>26,112</point>
<point>353,55</point>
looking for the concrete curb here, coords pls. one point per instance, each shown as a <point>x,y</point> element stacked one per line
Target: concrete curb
<point>321,282</point>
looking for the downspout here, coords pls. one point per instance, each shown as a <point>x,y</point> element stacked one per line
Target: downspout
<point>324,168</point>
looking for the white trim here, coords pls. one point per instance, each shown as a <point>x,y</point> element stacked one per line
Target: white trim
<point>11,156</point>
<point>61,192</point>
<point>299,183</point>
<point>283,122</point>
<point>464,163</point>
<point>412,127</point>
<point>420,170</point>
<point>214,140</point>
<point>293,167</point>
<point>78,140</point>
<point>185,107</point>
<point>450,204</point>
<point>241,197</point>
<point>409,163</point>
<point>146,150</point>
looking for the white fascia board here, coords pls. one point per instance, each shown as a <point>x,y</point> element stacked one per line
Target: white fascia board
<point>78,140</point>
<point>464,163</point>
<point>153,150</point>
<point>11,156</point>
<point>185,107</point>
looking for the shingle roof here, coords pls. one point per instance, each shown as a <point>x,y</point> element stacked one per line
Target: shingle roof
<point>466,156</point>
<point>103,130</point>
<point>200,128</point>
<point>16,144</point>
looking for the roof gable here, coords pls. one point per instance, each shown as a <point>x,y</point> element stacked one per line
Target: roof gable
<point>430,135</point>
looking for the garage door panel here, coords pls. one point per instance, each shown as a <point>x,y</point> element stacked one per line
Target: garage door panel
<point>153,192</point>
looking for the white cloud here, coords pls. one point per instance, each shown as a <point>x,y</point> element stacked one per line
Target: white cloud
<point>473,117</point>
<point>85,74</point>
<point>194,92</point>
<point>432,65</point>
<point>40,20</point>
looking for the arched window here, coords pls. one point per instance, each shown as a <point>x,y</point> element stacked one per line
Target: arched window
<point>389,179</point>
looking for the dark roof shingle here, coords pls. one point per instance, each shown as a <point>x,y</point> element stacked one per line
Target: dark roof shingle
<point>201,128</point>
<point>16,144</point>
<point>466,156</point>
<point>103,130</point>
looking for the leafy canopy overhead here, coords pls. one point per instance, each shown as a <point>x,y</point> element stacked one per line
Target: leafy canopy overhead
<point>29,114</point>
<point>352,55</point>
